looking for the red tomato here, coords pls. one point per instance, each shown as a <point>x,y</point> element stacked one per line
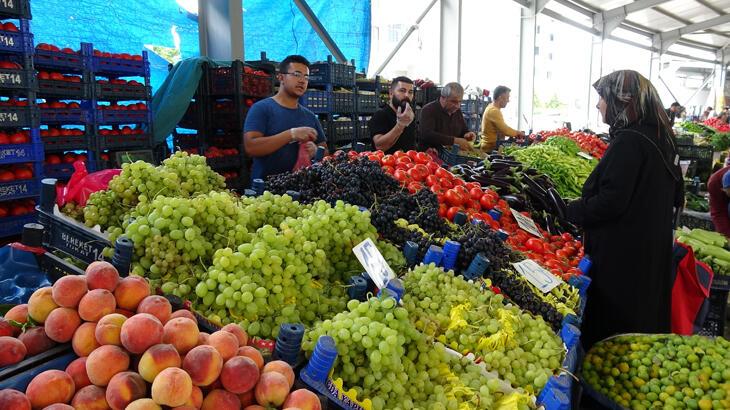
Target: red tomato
<point>414,187</point>
<point>69,158</point>
<point>374,158</point>
<point>53,159</point>
<point>4,139</point>
<point>459,182</point>
<point>451,212</point>
<point>6,176</point>
<point>389,160</point>
<point>432,166</point>
<point>442,173</point>
<point>400,175</point>
<point>399,154</point>
<point>437,189</point>
<point>403,160</point>
<point>18,210</point>
<point>432,180</point>
<point>475,193</point>
<point>446,183</point>
<point>3,212</point>
<point>442,210</point>
<point>567,237</point>
<point>388,169</point>
<point>414,174</point>
<point>535,245</point>
<point>486,201</point>
<point>561,254</point>
<point>472,204</point>
<point>412,154</point>
<point>454,197</point>
<point>18,138</point>
<point>462,190</point>
<point>472,185</point>
<point>422,158</point>
<point>23,173</point>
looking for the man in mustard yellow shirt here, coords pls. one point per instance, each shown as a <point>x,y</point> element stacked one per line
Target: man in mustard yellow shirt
<point>493,125</point>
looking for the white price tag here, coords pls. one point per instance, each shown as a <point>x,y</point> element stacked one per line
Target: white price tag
<point>526,223</point>
<point>585,155</point>
<point>372,260</point>
<point>540,277</point>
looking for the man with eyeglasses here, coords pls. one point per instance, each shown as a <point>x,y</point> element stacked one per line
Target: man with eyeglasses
<point>275,127</point>
<point>442,122</point>
<point>392,128</point>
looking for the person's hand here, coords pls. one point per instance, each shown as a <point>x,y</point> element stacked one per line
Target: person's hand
<point>470,136</point>
<point>303,134</point>
<point>463,144</point>
<point>311,148</point>
<point>405,118</point>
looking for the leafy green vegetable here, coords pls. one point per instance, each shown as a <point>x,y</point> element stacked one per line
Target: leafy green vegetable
<point>566,145</point>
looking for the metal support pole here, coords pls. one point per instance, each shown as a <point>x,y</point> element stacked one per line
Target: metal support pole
<point>402,41</point>
<point>449,41</point>
<point>528,28</point>
<point>321,31</point>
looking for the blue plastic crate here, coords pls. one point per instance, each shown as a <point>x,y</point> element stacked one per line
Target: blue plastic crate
<point>123,116</point>
<point>63,89</point>
<point>13,225</point>
<point>116,142</point>
<point>117,92</point>
<point>71,237</point>
<point>58,171</point>
<point>18,116</point>
<point>15,153</point>
<point>16,42</point>
<point>57,60</point>
<point>323,102</point>
<point>16,9</point>
<point>229,161</point>
<point>64,116</point>
<point>19,375</point>
<point>19,189</point>
<point>333,73</point>
<point>119,67</point>
<point>366,103</point>
<point>66,143</point>
<point>19,79</point>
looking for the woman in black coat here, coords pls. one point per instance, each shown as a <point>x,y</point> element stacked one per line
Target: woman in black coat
<point>627,213</point>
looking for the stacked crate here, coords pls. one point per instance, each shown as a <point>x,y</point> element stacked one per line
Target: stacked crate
<point>371,95</point>
<point>21,149</point>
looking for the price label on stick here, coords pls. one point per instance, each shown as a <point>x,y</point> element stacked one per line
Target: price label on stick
<point>526,223</point>
<point>540,277</point>
<point>585,155</point>
<point>372,260</point>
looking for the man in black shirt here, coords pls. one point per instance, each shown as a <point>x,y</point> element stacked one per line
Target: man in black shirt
<point>392,128</point>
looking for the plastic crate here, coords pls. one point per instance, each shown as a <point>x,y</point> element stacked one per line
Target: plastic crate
<point>63,89</point>
<point>323,102</point>
<point>123,141</point>
<point>64,116</point>
<point>115,92</point>
<point>185,141</point>
<point>19,375</point>
<point>721,282</point>
<point>229,120</point>
<point>15,153</point>
<point>452,158</point>
<point>230,161</point>
<point>685,140</point>
<point>66,143</point>
<point>58,171</point>
<point>123,116</point>
<point>57,60</point>
<point>16,9</point>
<point>13,225</point>
<point>119,67</point>
<point>363,130</point>
<point>423,96</point>
<point>692,219</point>
<point>18,116</point>
<point>366,103</point>
<point>16,42</point>
<point>717,314</point>
<point>341,131</point>
<point>703,154</point>
<point>19,189</point>
<point>221,81</point>
<point>332,73</point>
<point>20,79</point>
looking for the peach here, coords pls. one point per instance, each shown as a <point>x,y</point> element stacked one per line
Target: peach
<point>6,329</point>
<point>280,366</point>
<point>253,354</point>
<point>90,398</point>
<point>237,331</point>
<point>156,359</point>
<point>226,343</point>
<point>124,388</point>
<point>221,400</point>
<point>143,404</point>
<point>77,371</point>
<point>172,387</point>
<point>109,328</point>
<point>255,407</point>
<point>68,291</point>
<point>203,364</point>
<point>36,340</point>
<point>272,389</point>
<point>96,304</point>
<point>239,374</point>
<point>49,387</point>
<point>186,407</point>
<point>130,291</point>
<point>182,333</point>
<point>303,399</point>
<point>12,350</point>
<point>124,312</point>
<point>58,406</point>
<point>61,324</point>
<point>247,398</point>
<point>140,332</point>
<point>104,362</point>
<point>84,341</point>
<point>18,313</point>
<point>196,398</point>
<point>184,313</point>
<point>13,400</point>
<point>157,306</point>
<point>102,275</point>
<point>203,338</point>
<point>41,304</point>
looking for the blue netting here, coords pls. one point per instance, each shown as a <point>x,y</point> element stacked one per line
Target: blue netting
<point>274,26</point>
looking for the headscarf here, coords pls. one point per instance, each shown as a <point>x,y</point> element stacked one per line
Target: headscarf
<point>632,100</point>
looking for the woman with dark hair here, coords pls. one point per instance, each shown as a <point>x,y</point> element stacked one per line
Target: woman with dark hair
<point>627,211</point>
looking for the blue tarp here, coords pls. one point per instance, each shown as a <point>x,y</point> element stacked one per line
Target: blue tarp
<point>274,26</point>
